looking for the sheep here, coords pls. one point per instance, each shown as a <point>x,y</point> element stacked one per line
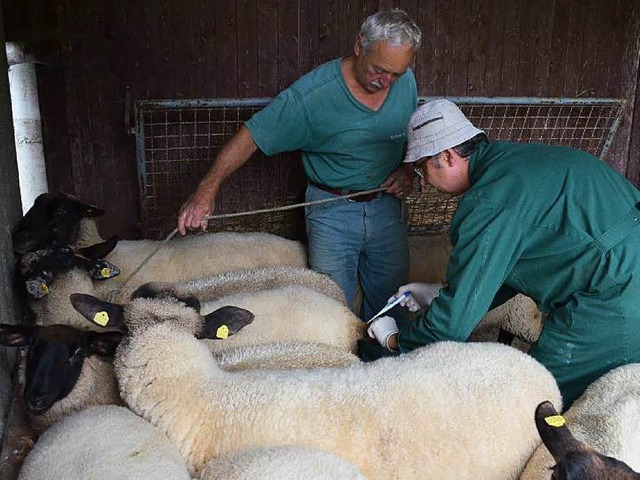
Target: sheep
<point>180,259</point>
<point>291,312</point>
<point>66,369</point>
<point>52,220</point>
<point>280,463</point>
<point>107,442</point>
<point>211,288</point>
<point>575,459</point>
<point>37,269</point>
<point>55,307</point>
<point>519,317</point>
<point>60,355</point>
<point>124,446</point>
<point>605,417</point>
<point>56,220</point>
<point>365,413</point>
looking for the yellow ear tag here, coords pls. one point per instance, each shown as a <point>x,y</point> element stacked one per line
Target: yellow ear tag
<point>105,272</point>
<point>44,289</point>
<point>101,318</point>
<point>555,420</point>
<point>222,332</point>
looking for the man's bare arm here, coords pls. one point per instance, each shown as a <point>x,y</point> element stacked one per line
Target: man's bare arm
<point>232,156</point>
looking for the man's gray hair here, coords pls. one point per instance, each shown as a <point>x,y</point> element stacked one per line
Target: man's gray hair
<point>394,26</point>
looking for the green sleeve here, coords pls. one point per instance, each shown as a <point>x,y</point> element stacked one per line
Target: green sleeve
<point>281,126</point>
<point>485,241</point>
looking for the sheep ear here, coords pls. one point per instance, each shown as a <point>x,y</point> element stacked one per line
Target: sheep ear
<point>16,335</point>
<point>90,210</point>
<point>554,433</point>
<point>100,250</point>
<point>225,321</point>
<point>97,311</point>
<point>102,270</point>
<point>103,344</point>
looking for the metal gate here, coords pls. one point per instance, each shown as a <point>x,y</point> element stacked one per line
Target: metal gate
<point>178,139</point>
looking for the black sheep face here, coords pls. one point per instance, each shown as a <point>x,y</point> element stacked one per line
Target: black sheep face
<point>55,359</point>
<point>574,459</point>
<point>52,220</point>
<point>37,270</point>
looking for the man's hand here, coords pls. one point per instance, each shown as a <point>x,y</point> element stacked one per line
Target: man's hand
<point>400,182</point>
<point>423,293</point>
<point>383,329</point>
<point>193,213</point>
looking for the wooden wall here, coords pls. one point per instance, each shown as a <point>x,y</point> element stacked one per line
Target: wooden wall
<point>98,50</point>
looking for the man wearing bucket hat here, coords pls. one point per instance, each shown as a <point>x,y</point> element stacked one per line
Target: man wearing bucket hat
<point>348,118</point>
<point>554,223</point>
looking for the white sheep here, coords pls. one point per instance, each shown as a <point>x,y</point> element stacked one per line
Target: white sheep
<point>280,463</point>
<point>519,316</point>
<point>55,308</point>
<point>286,313</point>
<point>605,417</point>
<point>452,408</point>
<point>291,314</point>
<point>180,259</point>
<point>213,287</point>
<point>109,443</point>
<point>202,255</point>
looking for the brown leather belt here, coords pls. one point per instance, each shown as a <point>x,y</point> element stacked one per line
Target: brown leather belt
<point>340,191</point>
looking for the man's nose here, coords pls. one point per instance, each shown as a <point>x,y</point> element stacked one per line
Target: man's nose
<point>386,79</point>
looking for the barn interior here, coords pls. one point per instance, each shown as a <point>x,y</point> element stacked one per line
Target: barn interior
<point>135,98</point>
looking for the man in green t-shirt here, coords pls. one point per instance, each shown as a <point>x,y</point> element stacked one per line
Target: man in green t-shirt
<point>348,118</point>
<point>554,223</point>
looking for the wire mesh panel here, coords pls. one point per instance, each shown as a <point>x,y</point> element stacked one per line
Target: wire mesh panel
<point>587,124</point>
<point>177,141</point>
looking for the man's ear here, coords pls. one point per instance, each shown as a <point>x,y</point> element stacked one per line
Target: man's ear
<point>450,156</point>
<point>357,47</point>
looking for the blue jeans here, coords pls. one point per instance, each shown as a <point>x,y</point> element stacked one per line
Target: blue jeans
<point>359,240</point>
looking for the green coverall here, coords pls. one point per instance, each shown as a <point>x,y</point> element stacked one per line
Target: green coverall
<point>560,226</point>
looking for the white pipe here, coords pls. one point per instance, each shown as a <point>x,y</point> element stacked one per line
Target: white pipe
<point>27,126</point>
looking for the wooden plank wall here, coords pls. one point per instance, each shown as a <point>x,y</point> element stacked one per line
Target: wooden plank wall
<point>172,49</point>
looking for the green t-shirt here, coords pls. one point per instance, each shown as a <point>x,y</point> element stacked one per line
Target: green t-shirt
<point>344,143</point>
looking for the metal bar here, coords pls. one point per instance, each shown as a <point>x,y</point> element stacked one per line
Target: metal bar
<point>612,131</point>
<point>257,102</point>
<point>141,156</point>
<point>528,100</point>
<point>202,103</point>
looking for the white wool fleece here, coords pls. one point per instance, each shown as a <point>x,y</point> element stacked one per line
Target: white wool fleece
<point>452,408</point>
<point>280,463</point>
<point>104,443</point>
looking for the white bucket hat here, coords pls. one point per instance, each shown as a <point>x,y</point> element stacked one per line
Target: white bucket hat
<point>436,126</point>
